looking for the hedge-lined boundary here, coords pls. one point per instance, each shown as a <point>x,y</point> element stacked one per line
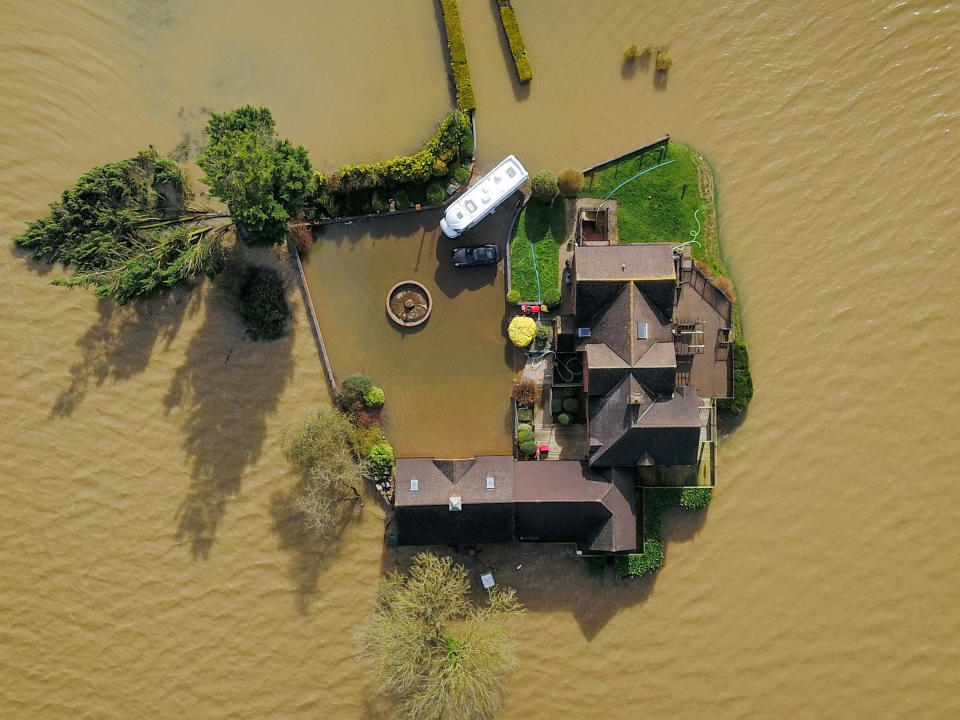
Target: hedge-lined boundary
<point>511,26</point>
<point>466,100</point>
<point>655,501</point>
<point>357,189</point>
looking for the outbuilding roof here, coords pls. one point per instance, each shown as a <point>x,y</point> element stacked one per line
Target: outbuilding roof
<point>642,261</point>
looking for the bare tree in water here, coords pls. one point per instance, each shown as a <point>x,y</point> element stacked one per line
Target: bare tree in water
<point>434,651</point>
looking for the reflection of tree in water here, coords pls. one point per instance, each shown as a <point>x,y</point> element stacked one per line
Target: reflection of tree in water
<point>225,389</point>
<point>119,345</point>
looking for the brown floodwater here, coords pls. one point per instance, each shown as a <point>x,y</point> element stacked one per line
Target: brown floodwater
<point>142,574</point>
<point>448,380</point>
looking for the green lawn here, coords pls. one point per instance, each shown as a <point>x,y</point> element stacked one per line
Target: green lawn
<point>546,226</point>
<point>661,206</point>
<point>654,207</point>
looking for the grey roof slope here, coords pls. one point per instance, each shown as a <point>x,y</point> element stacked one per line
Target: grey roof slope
<point>645,431</point>
<point>555,487</point>
<point>614,326</point>
<point>640,261</point>
<point>439,480</point>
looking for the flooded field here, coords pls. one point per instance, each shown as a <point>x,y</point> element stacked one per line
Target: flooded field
<point>142,571</point>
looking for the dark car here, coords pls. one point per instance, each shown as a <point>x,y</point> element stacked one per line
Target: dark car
<point>478,255</point>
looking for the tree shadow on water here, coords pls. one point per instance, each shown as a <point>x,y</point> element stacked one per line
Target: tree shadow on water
<point>225,389</point>
<point>120,344</point>
<point>309,552</point>
<point>552,578</point>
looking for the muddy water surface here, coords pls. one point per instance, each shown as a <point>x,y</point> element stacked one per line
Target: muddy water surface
<point>141,572</point>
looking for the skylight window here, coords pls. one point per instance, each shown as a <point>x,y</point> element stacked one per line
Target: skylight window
<point>491,483</point>
<point>641,331</point>
<point>414,484</point>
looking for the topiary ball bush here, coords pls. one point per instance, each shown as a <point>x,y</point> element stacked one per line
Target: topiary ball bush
<point>379,201</point>
<point>543,187</point>
<point>522,330</point>
<point>528,448</point>
<point>435,193</point>
<point>564,419</point>
<point>380,459</point>
<point>571,405</point>
<point>461,175</point>
<point>522,427</point>
<point>543,333</point>
<point>570,182</point>
<point>552,296</point>
<point>524,415</point>
<point>353,388</point>
<point>374,397</point>
<point>402,199</point>
<point>513,297</point>
<point>556,405</point>
<point>524,436</point>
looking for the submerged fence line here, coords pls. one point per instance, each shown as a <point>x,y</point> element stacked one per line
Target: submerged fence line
<point>312,314</point>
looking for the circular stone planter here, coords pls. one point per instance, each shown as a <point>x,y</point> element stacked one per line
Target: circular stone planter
<point>409,303</point>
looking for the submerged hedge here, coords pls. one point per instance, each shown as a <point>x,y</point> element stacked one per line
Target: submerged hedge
<point>655,501</point>
<point>466,100</point>
<point>511,26</point>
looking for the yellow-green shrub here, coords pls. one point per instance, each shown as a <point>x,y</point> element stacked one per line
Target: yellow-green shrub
<point>518,49</point>
<point>466,100</point>
<point>522,330</point>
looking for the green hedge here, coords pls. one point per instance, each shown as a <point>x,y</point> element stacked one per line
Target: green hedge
<point>742,382</point>
<point>655,501</point>
<point>518,49</point>
<point>466,100</point>
<point>696,498</point>
<point>356,189</point>
<point>596,565</point>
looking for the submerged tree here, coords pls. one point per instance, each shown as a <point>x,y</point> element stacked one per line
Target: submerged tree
<point>262,179</point>
<point>329,489</point>
<point>129,229</point>
<point>436,652</point>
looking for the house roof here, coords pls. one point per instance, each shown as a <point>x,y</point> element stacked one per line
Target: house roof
<point>439,480</point>
<point>564,499</point>
<point>642,261</point>
<point>629,428</point>
<point>572,482</point>
<point>625,330</point>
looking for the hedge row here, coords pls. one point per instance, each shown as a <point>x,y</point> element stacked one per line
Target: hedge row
<point>358,189</point>
<point>518,49</point>
<point>742,382</point>
<point>655,501</point>
<point>466,100</point>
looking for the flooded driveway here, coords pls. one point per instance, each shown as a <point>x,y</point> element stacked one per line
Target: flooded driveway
<point>448,380</point>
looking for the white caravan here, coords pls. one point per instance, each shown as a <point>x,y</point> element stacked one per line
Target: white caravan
<point>482,199</point>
